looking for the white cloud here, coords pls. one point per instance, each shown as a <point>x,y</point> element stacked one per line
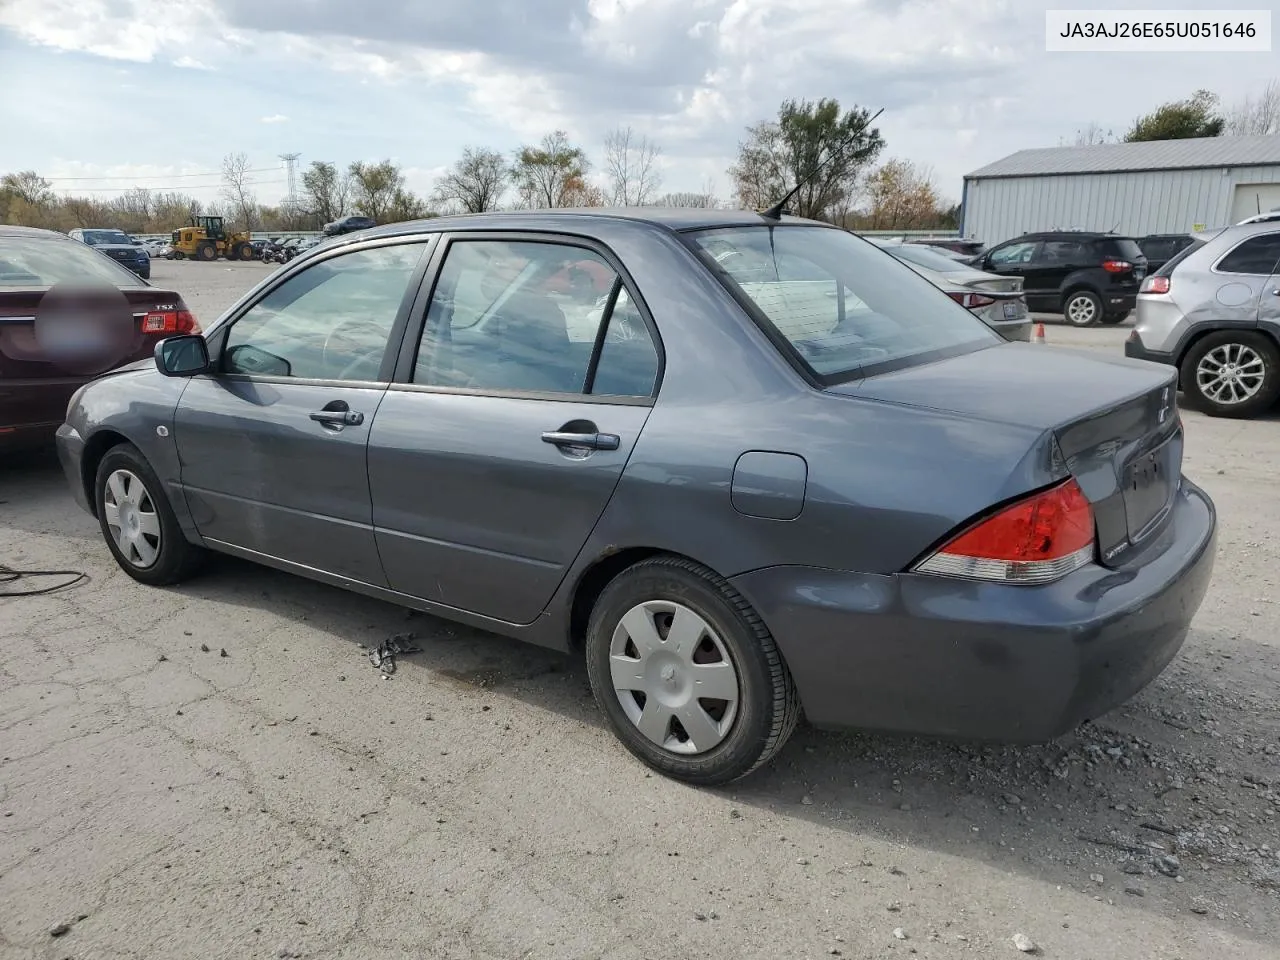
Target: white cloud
<point>274,118</point>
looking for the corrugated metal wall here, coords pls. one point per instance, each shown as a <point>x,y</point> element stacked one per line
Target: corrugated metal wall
<point>1166,201</point>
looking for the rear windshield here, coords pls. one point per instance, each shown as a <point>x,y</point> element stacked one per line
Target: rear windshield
<point>1128,249</point>
<point>837,304</point>
<point>927,257</point>
<point>1166,268</point>
<point>40,262</point>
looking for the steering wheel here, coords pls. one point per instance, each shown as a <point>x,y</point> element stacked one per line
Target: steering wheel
<point>355,337</point>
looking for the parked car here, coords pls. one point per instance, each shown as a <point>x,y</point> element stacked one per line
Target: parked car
<point>1160,248</point>
<point>776,471</point>
<point>117,245</point>
<point>1213,312</point>
<point>997,301</point>
<point>35,385</point>
<point>1087,277</point>
<point>968,248</point>
<point>348,225</point>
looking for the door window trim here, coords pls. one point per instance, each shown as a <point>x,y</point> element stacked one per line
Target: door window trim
<point>217,336</point>
<point>401,379</point>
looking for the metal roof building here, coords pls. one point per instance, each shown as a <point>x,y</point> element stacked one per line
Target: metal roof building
<point>1160,186</point>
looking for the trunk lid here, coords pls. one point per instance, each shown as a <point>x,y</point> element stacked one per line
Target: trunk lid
<point>1114,421</point>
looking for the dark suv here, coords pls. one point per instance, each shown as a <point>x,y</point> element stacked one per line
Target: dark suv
<point>1160,248</point>
<point>348,225</point>
<point>1087,277</point>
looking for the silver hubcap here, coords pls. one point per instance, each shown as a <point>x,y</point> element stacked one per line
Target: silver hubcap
<point>673,677</point>
<point>131,518</point>
<point>1230,374</point>
<point>1081,311</point>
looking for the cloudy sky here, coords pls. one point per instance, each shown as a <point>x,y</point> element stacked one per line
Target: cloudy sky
<point>155,92</point>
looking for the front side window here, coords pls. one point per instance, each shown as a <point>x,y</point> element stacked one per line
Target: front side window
<point>41,262</point>
<point>1014,253</point>
<point>1257,256</point>
<point>329,322</point>
<point>844,307</point>
<point>528,316</point>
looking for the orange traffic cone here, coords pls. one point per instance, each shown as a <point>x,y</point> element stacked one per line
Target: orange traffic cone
<point>1038,335</point>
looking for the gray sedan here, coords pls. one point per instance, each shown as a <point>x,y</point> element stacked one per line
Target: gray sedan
<point>747,467</point>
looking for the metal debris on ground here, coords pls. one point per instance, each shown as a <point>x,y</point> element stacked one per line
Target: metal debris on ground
<point>384,658</point>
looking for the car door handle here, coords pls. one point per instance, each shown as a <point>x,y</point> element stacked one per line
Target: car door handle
<point>342,418</point>
<point>592,441</point>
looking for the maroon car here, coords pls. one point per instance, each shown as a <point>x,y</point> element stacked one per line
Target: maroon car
<point>36,386</point>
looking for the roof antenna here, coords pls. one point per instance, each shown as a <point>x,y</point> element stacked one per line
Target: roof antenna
<point>778,209</point>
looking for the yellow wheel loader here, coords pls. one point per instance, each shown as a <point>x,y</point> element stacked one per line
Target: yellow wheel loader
<point>205,238</point>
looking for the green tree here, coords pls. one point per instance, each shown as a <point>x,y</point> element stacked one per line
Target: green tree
<point>552,174</point>
<point>1197,116</point>
<point>375,186</point>
<point>779,154</point>
<point>326,189</point>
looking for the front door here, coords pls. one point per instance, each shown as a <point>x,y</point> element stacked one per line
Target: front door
<point>491,464</point>
<point>1014,259</point>
<point>273,446</point>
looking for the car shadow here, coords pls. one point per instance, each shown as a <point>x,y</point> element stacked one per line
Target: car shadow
<point>1161,776</point>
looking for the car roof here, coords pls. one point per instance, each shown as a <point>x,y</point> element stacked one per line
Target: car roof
<point>582,220</point>
<point>13,230</point>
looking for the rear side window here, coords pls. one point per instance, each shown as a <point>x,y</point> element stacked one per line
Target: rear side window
<point>835,303</point>
<point>40,262</point>
<point>1167,268</point>
<point>1257,255</point>
<point>1063,252</point>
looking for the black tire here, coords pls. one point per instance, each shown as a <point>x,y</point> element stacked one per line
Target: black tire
<point>244,251</point>
<point>1261,347</point>
<point>1114,318</point>
<point>1082,308</point>
<point>177,255</point>
<point>177,558</point>
<point>768,705</point>
<point>206,252</point>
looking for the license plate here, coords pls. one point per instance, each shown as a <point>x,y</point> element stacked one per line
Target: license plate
<point>1013,310</point>
<point>1140,272</point>
<point>1148,484</point>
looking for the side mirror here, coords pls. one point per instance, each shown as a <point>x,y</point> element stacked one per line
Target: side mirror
<point>183,356</point>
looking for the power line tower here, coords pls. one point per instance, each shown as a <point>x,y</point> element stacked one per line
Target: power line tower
<point>291,198</point>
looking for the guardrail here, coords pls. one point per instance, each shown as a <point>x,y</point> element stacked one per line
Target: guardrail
<point>253,235</point>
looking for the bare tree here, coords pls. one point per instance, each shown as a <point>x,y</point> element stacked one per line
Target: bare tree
<point>1256,116</point>
<point>549,174</point>
<point>631,164</point>
<point>29,186</point>
<point>376,187</point>
<point>902,196</point>
<point>1092,134</point>
<point>237,189</point>
<point>476,182</point>
<point>327,190</point>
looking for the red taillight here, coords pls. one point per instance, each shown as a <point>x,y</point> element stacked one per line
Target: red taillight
<point>1035,540</point>
<point>170,321</point>
<point>1116,266</point>
<point>1155,285</point>
<point>971,300</point>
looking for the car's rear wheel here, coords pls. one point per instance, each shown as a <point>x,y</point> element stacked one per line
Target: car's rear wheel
<point>687,673</point>
<point>1083,307</point>
<point>1233,373</point>
<point>137,521</point>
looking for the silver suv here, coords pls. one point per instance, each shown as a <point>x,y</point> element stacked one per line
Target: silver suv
<point>1213,311</point>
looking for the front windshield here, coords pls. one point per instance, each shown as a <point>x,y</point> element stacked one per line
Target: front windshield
<point>845,307</point>
<point>98,237</point>
<point>40,262</point>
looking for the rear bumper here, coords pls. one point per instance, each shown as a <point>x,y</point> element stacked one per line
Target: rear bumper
<point>1133,348</point>
<point>1116,302</point>
<point>928,655</point>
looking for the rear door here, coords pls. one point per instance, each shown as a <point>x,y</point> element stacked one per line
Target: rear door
<point>1251,265</point>
<point>1053,263</point>
<point>273,445</point>
<point>512,418</point>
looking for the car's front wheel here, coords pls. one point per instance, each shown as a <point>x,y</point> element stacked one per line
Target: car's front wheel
<point>137,521</point>
<point>1233,373</point>
<point>687,673</point>
<point>1083,307</point>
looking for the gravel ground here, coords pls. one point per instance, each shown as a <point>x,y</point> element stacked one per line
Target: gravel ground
<point>161,799</point>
